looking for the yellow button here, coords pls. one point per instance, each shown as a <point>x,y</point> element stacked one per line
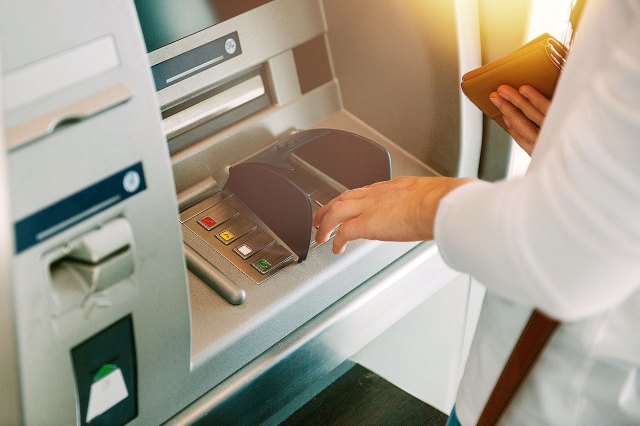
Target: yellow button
<point>226,235</point>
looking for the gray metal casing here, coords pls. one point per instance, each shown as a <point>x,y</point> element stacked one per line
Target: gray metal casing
<point>191,344</point>
<point>70,159</point>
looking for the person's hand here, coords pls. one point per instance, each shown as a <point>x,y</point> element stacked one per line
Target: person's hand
<point>523,111</point>
<point>401,209</point>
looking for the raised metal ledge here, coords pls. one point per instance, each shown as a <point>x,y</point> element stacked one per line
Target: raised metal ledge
<point>72,113</point>
<point>213,107</point>
<point>267,384</point>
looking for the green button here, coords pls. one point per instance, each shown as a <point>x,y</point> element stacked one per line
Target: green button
<point>263,265</point>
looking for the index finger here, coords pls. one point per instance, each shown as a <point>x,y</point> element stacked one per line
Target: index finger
<point>536,98</point>
<point>348,195</point>
<point>335,215</point>
<point>530,110</point>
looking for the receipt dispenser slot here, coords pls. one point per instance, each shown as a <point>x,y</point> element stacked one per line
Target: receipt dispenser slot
<point>91,263</point>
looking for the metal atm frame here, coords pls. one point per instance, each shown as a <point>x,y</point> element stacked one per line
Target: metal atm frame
<point>196,340</point>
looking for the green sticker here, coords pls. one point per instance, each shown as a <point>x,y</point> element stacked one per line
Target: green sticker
<point>105,370</point>
<point>263,265</point>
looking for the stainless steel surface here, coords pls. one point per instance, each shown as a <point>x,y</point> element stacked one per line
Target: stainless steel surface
<point>319,346</point>
<point>213,107</point>
<point>77,111</point>
<point>397,63</point>
<point>283,78</point>
<point>191,195</point>
<point>9,367</point>
<point>215,279</point>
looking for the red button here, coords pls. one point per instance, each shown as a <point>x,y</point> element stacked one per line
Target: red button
<point>208,221</point>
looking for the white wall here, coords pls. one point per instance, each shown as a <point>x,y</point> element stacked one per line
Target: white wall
<point>423,353</point>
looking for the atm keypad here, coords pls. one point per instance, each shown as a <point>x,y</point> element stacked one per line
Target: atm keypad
<point>253,245</point>
<point>235,230</point>
<point>230,228</point>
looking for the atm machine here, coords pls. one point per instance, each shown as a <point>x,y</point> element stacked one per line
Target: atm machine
<point>161,161</point>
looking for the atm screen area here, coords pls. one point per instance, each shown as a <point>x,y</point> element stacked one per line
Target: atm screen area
<point>166,21</point>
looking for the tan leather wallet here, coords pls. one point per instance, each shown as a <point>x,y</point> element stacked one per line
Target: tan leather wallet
<point>537,64</point>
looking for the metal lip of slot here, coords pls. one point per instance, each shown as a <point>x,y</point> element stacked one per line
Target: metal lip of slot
<point>213,107</point>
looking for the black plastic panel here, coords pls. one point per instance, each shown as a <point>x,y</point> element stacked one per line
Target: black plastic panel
<point>278,189</point>
<point>277,201</point>
<point>114,346</point>
<point>196,60</point>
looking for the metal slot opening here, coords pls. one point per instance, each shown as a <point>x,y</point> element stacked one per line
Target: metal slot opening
<point>214,109</point>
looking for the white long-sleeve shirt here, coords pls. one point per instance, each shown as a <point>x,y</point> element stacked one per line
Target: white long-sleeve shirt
<point>565,238</point>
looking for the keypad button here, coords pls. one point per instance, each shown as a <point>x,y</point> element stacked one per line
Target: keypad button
<point>271,257</point>
<point>244,251</point>
<point>235,230</point>
<point>208,223</point>
<point>226,236</point>
<point>254,244</point>
<point>263,265</point>
<point>217,216</point>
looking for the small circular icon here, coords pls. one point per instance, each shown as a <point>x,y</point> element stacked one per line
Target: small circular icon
<point>131,181</point>
<point>230,46</point>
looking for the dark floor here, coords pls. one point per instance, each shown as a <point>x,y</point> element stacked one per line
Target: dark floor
<point>361,397</point>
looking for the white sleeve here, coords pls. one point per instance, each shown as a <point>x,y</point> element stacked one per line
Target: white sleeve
<point>566,237</point>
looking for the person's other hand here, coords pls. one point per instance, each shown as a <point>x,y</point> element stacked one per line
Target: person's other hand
<point>400,209</point>
<point>523,111</point>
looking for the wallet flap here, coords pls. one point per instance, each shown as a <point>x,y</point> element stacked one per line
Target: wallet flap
<point>522,50</point>
<point>537,63</point>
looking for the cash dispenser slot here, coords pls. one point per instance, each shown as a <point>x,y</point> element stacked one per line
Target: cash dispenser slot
<point>214,108</point>
<point>261,220</point>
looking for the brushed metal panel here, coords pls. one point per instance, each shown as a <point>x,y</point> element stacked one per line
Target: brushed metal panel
<point>266,384</point>
<point>213,107</point>
<point>58,71</point>
<point>397,64</point>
